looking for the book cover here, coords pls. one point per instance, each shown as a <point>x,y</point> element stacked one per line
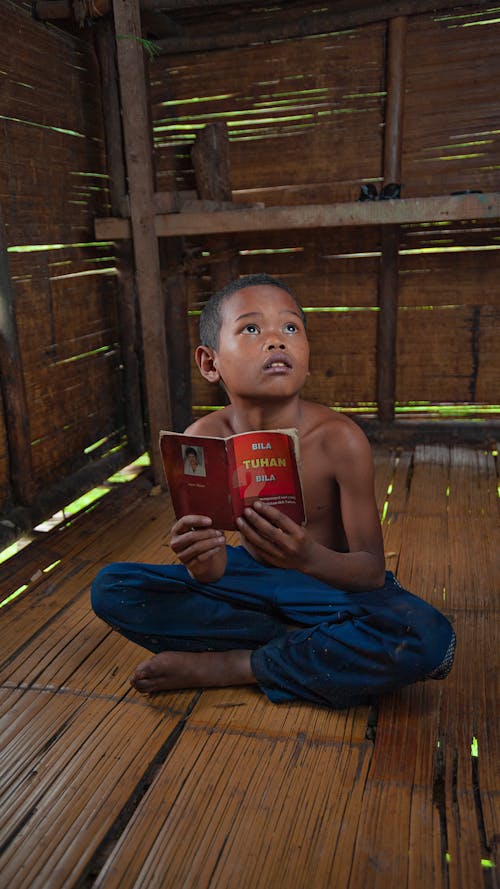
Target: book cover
<point>219,477</point>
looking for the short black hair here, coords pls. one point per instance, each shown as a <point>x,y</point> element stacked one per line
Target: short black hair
<point>211,316</point>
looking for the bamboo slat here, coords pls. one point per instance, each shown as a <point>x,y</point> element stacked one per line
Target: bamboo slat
<point>71,583</point>
<point>475,500</point>
<point>245,711</point>
<point>391,492</point>
<point>77,779</point>
<point>401,482</point>
<point>468,765</point>
<point>251,831</point>
<point>399,818</point>
<point>384,464</point>
<point>475,564</point>
<point>430,480</point>
<point>48,593</point>
<point>68,539</point>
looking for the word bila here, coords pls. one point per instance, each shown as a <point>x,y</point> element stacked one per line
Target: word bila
<point>263,462</point>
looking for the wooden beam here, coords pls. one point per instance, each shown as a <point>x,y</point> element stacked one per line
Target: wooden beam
<point>387,318</point>
<point>285,27</point>
<point>188,201</point>
<point>175,5</point>
<point>142,216</point>
<point>127,308</point>
<point>52,10</point>
<point>12,388</point>
<point>400,212</point>
<point>404,433</point>
<point>47,10</point>
<point>346,15</point>
<point>341,6</point>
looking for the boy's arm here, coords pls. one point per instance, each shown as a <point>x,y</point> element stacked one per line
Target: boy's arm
<point>363,566</point>
<point>279,541</point>
<point>200,547</point>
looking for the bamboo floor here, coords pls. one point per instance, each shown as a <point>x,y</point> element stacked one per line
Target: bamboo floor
<point>103,787</point>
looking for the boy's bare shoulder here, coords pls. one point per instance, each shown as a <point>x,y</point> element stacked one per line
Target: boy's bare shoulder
<point>333,431</point>
<point>216,424</point>
<point>320,416</point>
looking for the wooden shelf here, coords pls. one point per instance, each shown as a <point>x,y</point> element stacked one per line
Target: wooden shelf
<point>395,212</point>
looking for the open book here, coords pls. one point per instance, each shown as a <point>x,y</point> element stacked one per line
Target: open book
<point>219,477</point>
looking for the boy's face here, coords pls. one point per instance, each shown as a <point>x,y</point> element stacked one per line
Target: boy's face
<point>263,349</point>
<point>192,460</point>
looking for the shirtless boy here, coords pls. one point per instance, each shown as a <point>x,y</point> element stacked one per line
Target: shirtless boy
<point>304,612</point>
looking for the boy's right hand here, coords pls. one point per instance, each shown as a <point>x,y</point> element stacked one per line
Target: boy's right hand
<point>199,546</point>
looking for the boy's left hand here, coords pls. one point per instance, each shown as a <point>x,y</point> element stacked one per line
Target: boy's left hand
<point>275,538</point>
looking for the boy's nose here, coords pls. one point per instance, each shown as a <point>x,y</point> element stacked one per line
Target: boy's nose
<point>274,344</point>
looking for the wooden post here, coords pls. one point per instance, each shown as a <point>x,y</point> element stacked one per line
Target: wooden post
<point>210,156</point>
<point>172,256</point>
<point>12,388</point>
<point>179,353</point>
<point>106,52</point>
<point>130,54</point>
<point>389,262</point>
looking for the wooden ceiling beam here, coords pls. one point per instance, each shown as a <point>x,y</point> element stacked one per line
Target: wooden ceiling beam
<point>346,15</point>
<point>284,28</point>
<point>177,5</point>
<point>395,212</point>
<point>51,10</point>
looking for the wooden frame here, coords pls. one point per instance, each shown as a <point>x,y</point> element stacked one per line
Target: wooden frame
<point>397,212</point>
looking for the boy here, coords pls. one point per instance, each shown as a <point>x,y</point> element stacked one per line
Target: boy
<point>304,612</point>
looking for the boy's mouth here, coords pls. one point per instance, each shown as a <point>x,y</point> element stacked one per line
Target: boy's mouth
<point>277,363</point>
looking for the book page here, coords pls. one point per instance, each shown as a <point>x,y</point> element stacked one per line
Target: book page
<point>196,469</point>
<point>264,466</point>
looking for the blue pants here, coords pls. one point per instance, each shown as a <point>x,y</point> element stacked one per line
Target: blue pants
<point>348,646</point>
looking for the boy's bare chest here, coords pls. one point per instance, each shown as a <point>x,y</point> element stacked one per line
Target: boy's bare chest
<point>322,502</point>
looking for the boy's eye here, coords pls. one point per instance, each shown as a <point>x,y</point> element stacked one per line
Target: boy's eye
<point>251,328</point>
<point>290,327</point>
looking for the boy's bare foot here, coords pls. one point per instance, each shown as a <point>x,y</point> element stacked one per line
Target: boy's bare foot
<point>185,669</point>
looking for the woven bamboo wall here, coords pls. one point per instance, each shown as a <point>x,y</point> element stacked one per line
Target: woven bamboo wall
<point>52,184</point>
<point>305,119</point>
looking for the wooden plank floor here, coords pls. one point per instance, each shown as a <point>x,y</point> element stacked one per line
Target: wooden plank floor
<point>103,787</point>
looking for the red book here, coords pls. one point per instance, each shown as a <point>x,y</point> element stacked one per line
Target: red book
<point>219,477</point>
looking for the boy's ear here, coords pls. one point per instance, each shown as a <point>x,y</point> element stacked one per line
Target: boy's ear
<point>206,359</point>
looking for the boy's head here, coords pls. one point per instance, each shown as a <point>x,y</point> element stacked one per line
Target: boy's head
<point>211,316</point>
<point>191,457</point>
